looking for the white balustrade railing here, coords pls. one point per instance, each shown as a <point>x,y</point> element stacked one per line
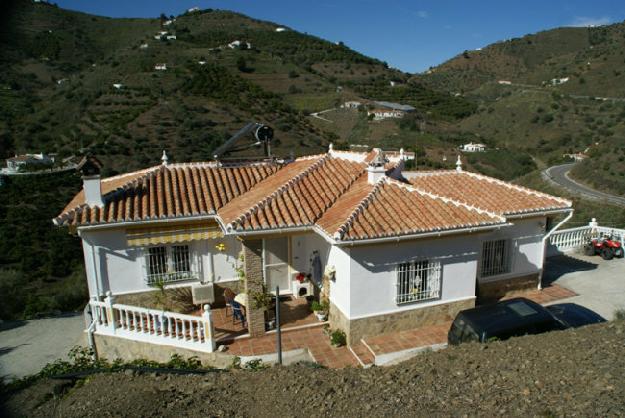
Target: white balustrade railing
<point>154,326</point>
<point>566,240</point>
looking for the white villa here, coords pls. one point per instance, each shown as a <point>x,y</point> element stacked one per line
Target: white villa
<point>18,162</point>
<point>391,250</point>
<point>160,67</point>
<point>472,147</point>
<point>383,113</point>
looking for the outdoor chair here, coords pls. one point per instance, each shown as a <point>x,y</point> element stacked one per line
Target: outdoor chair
<point>229,298</point>
<point>237,313</point>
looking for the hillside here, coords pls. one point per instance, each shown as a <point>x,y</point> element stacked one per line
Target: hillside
<point>57,91</point>
<point>526,376</point>
<point>591,57</point>
<point>548,94</point>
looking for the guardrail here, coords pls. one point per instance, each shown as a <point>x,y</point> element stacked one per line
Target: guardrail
<point>567,240</point>
<point>154,326</point>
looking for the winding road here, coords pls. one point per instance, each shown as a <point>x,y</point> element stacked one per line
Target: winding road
<point>559,175</point>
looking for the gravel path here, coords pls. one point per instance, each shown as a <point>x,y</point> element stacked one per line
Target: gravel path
<point>574,373</point>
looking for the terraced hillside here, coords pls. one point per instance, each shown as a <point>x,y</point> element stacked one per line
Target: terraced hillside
<point>58,94</point>
<point>548,94</point>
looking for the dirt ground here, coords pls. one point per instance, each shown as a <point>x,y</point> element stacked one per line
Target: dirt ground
<point>574,373</point>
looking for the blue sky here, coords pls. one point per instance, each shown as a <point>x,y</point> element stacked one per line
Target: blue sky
<point>409,35</point>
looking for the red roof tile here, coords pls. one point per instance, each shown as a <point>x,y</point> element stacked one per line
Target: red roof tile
<point>485,192</point>
<point>181,190</point>
<point>330,192</point>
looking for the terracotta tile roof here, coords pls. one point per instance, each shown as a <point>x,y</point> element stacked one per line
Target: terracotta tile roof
<point>161,192</point>
<point>485,192</point>
<point>390,208</point>
<point>297,195</point>
<point>328,192</point>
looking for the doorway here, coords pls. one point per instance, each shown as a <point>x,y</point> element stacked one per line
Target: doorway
<point>276,264</point>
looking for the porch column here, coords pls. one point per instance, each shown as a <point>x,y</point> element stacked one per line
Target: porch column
<point>252,253</point>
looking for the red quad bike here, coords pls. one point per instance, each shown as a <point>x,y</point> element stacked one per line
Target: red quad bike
<point>605,246</point>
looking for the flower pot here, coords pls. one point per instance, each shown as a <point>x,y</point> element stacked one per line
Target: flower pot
<point>322,316</point>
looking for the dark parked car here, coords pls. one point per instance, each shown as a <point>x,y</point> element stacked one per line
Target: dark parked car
<point>500,321</point>
<point>572,315</point>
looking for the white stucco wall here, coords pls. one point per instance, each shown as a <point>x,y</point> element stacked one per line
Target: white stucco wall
<point>526,246</point>
<point>122,269</point>
<point>373,276</point>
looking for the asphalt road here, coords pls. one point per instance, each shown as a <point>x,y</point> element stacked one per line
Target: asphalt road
<point>27,346</point>
<point>559,174</point>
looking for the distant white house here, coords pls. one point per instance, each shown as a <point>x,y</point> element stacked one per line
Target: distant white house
<point>472,147</point>
<point>144,46</point>
<point>171,37</point>
<point>118,85</point>
<point>239,45</point>
<point>14,164</point>
<point>193,9</point>
<point>157,37</point>
<point>505,82</point>
<point>280,29</point>
<point>160,67</point>
<point>202,62</point>
<point>381,113</point>
<point>352,104</point>
<point>168,22</point>
<point>578,156</point>
<point>557,81</point>
<point>61,81</point>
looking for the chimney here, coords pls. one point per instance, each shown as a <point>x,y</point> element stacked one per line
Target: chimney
<point>459,165</point>
<point>376,170</point>
<point>90,168</point>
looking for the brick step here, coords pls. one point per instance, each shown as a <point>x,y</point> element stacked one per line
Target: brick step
<point>362,353</point>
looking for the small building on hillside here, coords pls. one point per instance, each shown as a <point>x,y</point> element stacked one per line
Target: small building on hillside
<point>473,147</point>
<point>160,67</point>
<point>558,81</point>
<point>117,86</point>
<point>385,113</point>
<point>20,162</point>
<point>578,156</point>
<point>193,9</point>
<point>280,29</point>
<point>505,82</point>
<point>395,106</point>
<point>239,45</point>
<point>144,46</point>
<point>352,104</point>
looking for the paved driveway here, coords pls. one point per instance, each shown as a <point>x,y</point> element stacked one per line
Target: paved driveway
<point>600,284</point>
<point>27,346</point>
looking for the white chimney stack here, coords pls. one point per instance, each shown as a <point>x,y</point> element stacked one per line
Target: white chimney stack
<point>90,169</point>
<point>459,165</point>
<point>376,170</point>
<point>93,191</point>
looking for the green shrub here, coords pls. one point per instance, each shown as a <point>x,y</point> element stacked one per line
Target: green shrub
<point>619,314</point>
<point>338,338</point>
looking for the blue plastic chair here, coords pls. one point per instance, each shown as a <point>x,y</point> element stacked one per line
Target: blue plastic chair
<point>237,313</point>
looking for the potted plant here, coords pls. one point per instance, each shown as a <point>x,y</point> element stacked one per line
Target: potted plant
<point>320,310</point>
<point>338,338</point>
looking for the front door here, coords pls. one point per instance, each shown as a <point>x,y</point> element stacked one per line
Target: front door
<point>276,264</point>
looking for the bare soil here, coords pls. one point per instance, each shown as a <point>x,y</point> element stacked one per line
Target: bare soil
<point>573,373</point>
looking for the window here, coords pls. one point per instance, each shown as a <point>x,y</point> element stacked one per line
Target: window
<point>495,258</point>
<point>169,264</point>
<point>419,280</point>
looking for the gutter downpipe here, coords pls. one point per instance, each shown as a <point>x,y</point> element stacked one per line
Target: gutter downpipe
<point>545,238</point>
